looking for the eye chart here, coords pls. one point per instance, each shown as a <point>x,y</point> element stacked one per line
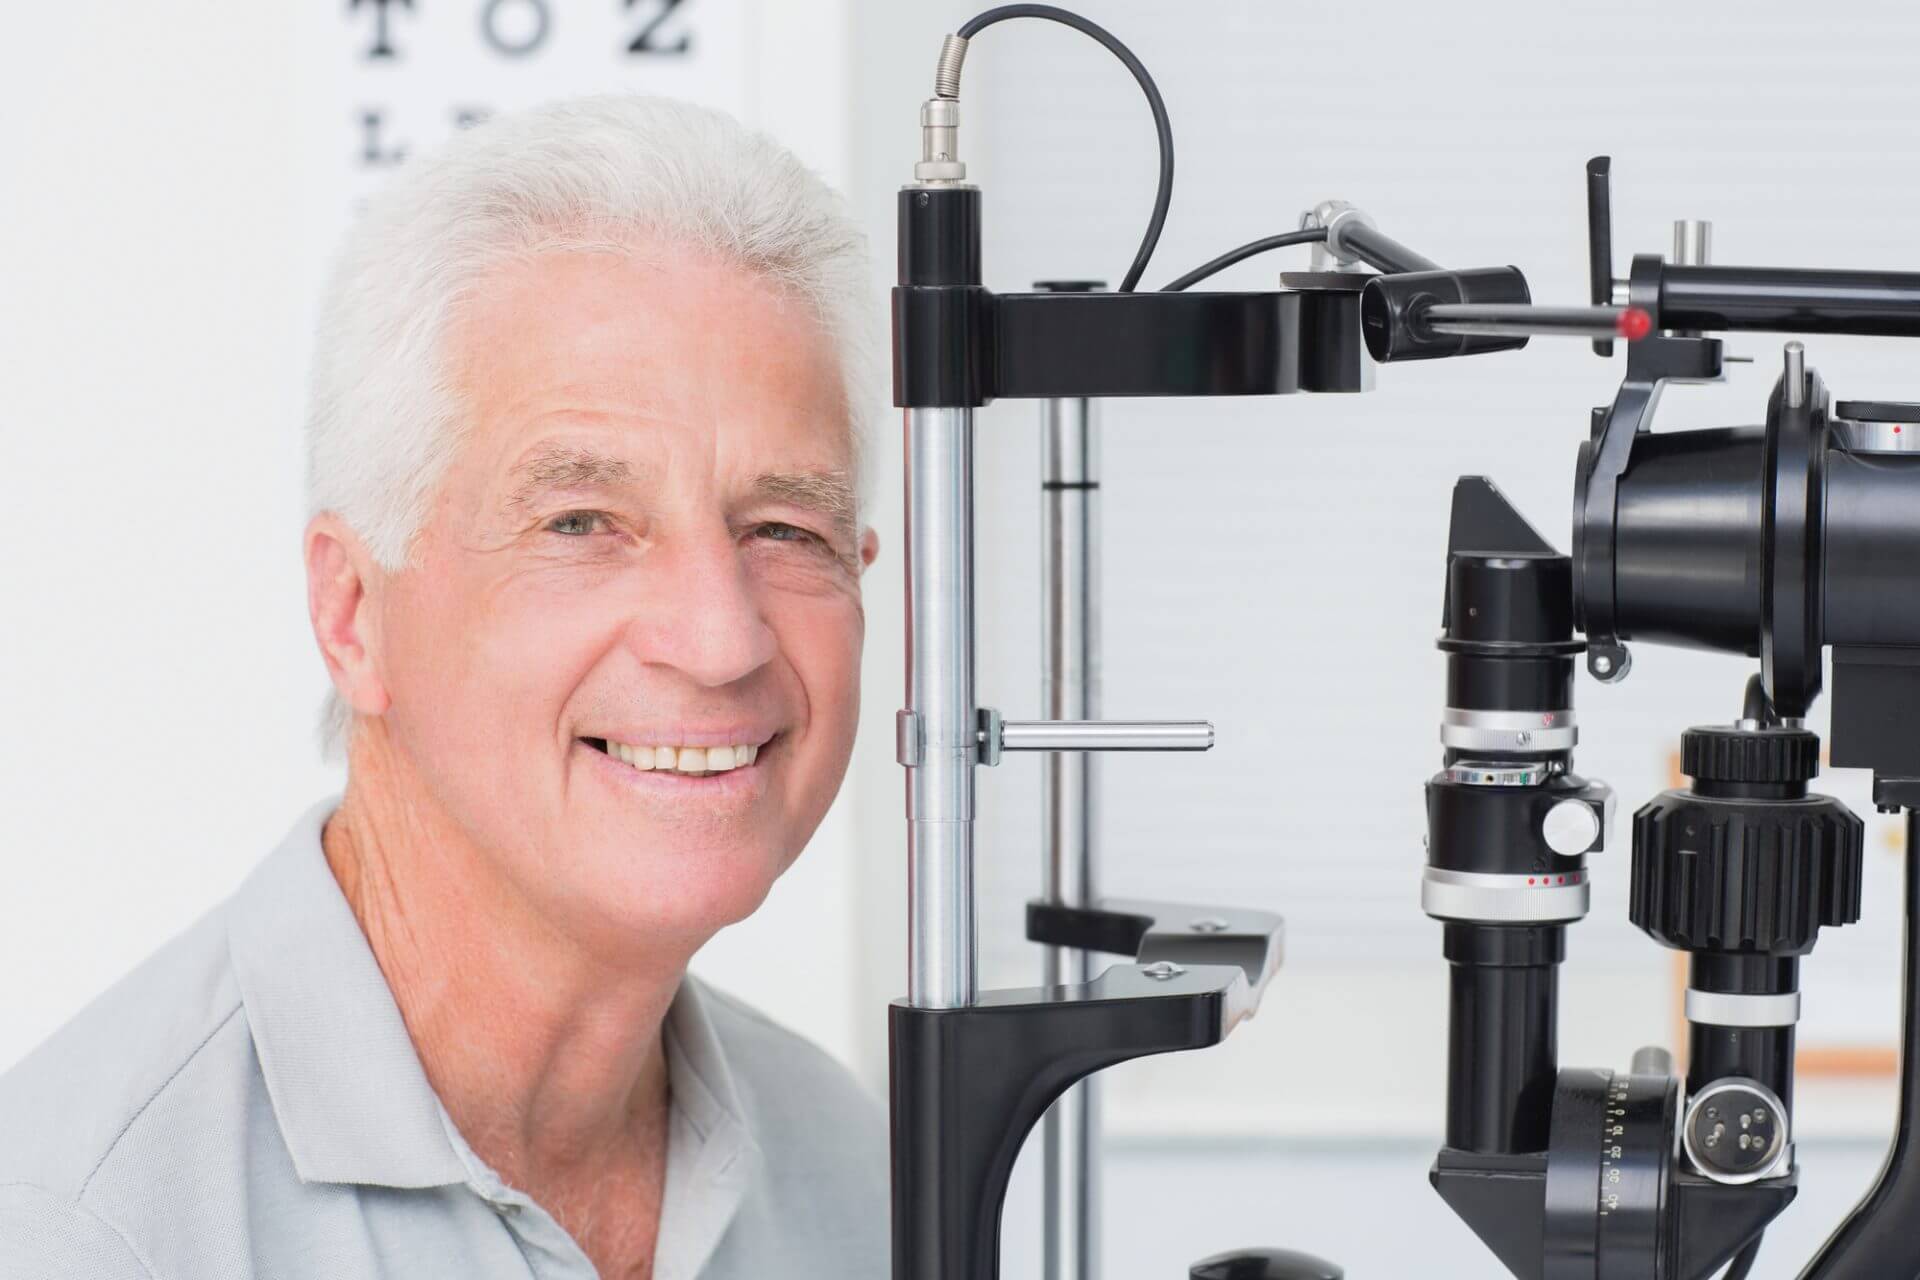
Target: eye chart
<point>388,79</point>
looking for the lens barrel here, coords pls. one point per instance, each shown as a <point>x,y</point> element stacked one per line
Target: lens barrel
<point>1765,541</point>
<point>1508,824</point>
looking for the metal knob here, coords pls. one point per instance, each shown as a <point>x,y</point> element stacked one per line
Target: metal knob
<point>1570,828</point>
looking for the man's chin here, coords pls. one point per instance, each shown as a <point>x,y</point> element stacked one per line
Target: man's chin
<point>661,895</point>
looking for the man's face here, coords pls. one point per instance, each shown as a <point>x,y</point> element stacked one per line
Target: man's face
<point>645,547</point>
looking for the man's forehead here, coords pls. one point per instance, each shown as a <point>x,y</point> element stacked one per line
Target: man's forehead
<point>603,371</point>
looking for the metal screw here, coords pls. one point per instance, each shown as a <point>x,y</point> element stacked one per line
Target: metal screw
<point>1602,664</point>
<point>1162,970</point>
<point>1523,738</point>
<point>1209,924</point>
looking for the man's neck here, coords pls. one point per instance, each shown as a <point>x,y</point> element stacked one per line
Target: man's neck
<point>549,1058</point>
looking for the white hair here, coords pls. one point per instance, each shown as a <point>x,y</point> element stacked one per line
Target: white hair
<point>592,174</point>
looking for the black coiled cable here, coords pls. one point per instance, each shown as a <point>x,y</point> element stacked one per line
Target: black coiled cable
<point>1307,235</point>
<point>1161,126</point>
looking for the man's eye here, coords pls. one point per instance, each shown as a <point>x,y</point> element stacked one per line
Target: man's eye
<point>778,532</point>
<point>575,523</point>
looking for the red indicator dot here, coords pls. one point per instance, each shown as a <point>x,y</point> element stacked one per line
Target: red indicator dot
<point>1563,879</point>
<point>1635,323</point>
<point>1529,879</point>
<point>1896,430</point>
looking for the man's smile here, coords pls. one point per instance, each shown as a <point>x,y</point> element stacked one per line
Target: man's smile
<point>677,762</point>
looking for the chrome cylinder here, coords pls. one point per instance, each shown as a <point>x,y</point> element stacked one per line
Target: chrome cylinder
<point>940,708</point>
<point>1106,735</point>
<point>1070,690</point>
<point>1692,242</point>
<point>1692,247</point>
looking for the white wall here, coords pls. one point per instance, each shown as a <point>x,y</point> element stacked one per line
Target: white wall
<point>159,682</point>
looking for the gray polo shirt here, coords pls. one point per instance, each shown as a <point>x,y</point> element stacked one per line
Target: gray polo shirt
<point>247,1103</point>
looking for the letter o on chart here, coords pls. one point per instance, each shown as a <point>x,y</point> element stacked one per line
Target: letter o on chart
<point>515,27</point>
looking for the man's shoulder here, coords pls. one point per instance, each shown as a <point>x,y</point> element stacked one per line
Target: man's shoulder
<point>801,1100</point>
<point>49,1237</point>
<point>67,1104</point>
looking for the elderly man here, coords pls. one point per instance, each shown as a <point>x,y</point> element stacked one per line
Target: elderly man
<point>584,567</point>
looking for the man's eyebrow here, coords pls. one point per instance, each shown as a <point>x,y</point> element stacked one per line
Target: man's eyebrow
<point>830,493</point>
<point>561,467</point>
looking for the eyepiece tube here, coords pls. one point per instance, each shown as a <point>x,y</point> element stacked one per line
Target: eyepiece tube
<point>1394,311</point>
<point>1508,825</point>
<point>1502,1035</point>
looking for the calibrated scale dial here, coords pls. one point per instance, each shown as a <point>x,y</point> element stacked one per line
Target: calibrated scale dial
<point>1608,1173</point>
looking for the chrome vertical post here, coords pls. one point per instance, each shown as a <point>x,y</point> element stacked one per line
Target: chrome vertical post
<point>1069,685</point>
<point>939,730</point>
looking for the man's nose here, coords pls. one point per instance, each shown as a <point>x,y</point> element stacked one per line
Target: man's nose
<point>699,614</point>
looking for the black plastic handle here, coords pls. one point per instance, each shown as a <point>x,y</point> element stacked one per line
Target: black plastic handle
<point>1600,240</point>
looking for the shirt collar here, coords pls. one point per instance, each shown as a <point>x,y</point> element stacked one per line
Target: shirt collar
<point>712,1158</point>
<point>347,1087</point>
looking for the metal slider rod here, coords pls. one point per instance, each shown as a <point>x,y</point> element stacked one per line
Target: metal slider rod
<point>1501,320</point>
<point>938,733</point>
<point>1105,735</point>
<point>1070,690</point>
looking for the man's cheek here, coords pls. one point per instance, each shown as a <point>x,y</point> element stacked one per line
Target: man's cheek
<point>823,644</point>
<point>528,659</point>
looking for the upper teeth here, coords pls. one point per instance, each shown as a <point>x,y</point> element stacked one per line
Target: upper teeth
<point>685,759</point>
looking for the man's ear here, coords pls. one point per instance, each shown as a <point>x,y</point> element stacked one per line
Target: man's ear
<point>340,579</point>
<point>869,547</point>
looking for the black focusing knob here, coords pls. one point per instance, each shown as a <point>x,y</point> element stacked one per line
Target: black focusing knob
<point>1745,860</point>
<point>1723,753</point>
